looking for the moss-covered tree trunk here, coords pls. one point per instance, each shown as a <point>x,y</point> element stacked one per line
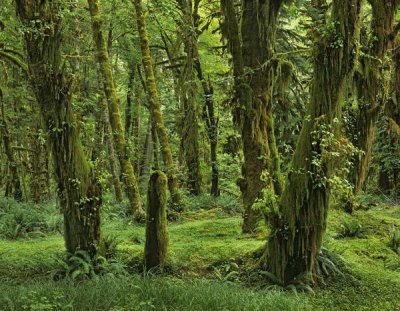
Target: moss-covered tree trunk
<point>78,190</point>
<point>155,105</point>
<point>132,117</point>
<point>372,85</point>
<point>112,158</point>
<point>156,246</point>
<point>40,180</point>
<point>15,182</point>
<point>298,227</point>
<point>128,175</point>
<point>187,90</point>
<point>389,138</point>
<point>147,157</point>
<point>209,116</point>
<point>252,54</point>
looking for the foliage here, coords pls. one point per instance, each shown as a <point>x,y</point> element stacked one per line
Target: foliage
<point>80,266</point>
<point>19,220</point>
<point>351,229</point>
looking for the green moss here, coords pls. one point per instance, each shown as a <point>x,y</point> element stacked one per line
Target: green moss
<point>197,244</point>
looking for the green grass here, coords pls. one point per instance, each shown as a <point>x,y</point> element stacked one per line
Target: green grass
<point>133,293</point>
<point>199,243</point>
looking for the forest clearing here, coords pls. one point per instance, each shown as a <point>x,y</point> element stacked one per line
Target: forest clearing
<point>199,155</point>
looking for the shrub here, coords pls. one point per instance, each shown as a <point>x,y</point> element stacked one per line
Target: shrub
<point>351,229</point>
<point>27,219</point>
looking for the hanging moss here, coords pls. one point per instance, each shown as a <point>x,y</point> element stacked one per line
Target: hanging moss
<point>252,49</point>
<point>298,226</point>
<point>372,85</point>
<point>78,190</point>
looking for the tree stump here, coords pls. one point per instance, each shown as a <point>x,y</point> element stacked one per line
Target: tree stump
<point>156,222</point>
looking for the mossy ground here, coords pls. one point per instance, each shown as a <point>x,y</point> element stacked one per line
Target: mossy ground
<point>200,243</point>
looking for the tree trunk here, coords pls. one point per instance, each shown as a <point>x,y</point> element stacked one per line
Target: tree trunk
<point>187,96</point>
<point>297,229</point>
<point>253,95</point>
<point>148,153</point>
<point>78,190</point>
<point>40,183</point>
<point>389,139</point>
<point>372,85</point>
<point>15,181</point>
<point>156,246</point>
<point>127,171</point>
<point>155,106</point>
<point>112,159</point>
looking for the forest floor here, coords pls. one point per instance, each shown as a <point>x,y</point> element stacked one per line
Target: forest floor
<point>207,257</point>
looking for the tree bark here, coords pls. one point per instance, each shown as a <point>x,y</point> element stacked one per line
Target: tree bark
<point>78,190</point>
<point>155,106</point>
<point>298,227</point>
<point>15,181</point>
<point>372,86</point>
<point>127,170</point>
<point>156,222</point>
<point>254,50</point>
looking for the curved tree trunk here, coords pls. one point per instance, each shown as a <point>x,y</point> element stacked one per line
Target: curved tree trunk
<point>127,170</point>
<point>155,106</point>
<point>78,190</point>
<point>297,229</point>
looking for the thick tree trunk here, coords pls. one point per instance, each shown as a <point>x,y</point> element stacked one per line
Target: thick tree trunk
<point>156,246</point>
<point>372,85</point>
<point>155,106</point>
<point>78,190</point>
<point>127,171</point>
<point>297,229</point>
<point>253,92</point>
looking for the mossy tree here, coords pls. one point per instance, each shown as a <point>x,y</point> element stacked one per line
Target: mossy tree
<point>372,84</point>
<point>252,49</point>
<point>78,189</point>
<point>156,246</point>
<point>187,89</point>
<point>389,136</point>
<point>155,105</point>
<point>13,186</point>
<point>127,170</point>
<point>298,222</point>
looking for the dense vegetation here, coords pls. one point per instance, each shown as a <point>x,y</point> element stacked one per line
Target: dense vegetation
<point>199,155</point>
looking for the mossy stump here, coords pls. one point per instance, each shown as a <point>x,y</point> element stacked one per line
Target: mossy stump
<point>156,222</point>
